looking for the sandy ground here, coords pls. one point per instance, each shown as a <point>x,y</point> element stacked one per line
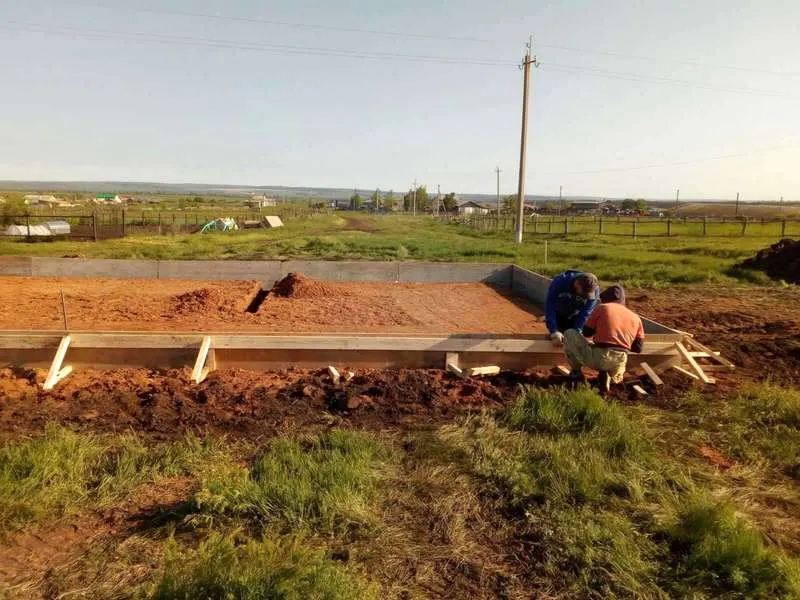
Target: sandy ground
<point>177,305</point>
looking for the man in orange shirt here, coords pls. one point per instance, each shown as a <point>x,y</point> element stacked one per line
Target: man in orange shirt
<point>616,331</point>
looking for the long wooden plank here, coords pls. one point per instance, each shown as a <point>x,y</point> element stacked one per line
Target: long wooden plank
<point>685,372</point>
<point>454,343</point>
<point>55,367</point>
<point>693,363</point>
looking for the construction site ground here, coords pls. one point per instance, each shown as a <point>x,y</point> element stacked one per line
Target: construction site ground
<point>298,305</point>
<point>756,327</point>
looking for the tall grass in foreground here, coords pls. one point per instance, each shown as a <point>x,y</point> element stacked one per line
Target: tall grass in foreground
<point>325,482</point>
<point>279,569</point>
<point>609,516</point>
<point>63,472</point>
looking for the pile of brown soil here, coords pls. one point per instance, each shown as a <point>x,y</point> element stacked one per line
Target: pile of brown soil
<point>166,404</point>
<point>201,300</point>
<point>297,285</point>
<point>779,261</point>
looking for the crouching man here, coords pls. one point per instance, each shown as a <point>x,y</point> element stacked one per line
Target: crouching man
<point>615,330</point>
<point>571,297</point>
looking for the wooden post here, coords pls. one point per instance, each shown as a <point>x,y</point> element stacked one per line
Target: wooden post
<point>94,225</point>
<point>159,222</point>
<point>744,226</point>
<point>783,228</point>
<point>545,252</point>
<point>669,227</point>
<point>124,231</point>
<point>600,226</point>
<point>550,225</point>
<point>705,226</point>
<point>566,228</point>
<point>634,229</point>
<point>28,225</point>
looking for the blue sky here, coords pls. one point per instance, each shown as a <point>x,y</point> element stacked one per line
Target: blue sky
<point>94,90</point>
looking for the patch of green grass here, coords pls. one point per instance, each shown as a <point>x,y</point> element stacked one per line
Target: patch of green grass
<point>326,482</point>
<point>715,550</point>
<point>765,425</point>
<point>270,569</point>
<point>63,472</point>
<point>594,508</point>
<point>645,261</point>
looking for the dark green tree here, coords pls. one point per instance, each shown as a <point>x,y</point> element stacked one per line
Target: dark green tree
<point>450,202</point>
<point>421,199</point>
<point>356,201</point>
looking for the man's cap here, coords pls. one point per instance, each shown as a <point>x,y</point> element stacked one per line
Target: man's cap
<point>613,293</point>
<point>588,283</point>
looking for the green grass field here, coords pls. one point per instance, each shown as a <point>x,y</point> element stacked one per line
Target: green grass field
<point>354,236</point>
<point>561,492</point>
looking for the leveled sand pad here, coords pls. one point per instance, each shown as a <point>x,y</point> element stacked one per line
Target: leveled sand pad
<point>295,304</point>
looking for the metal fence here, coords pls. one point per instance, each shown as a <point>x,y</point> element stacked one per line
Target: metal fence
<point>636,226</point>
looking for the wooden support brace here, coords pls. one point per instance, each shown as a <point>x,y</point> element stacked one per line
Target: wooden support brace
<point>451,364</point>
<point>56,373</point>
<point>563,370</point>
<point>680,369</point>
<point>201,368</point>
<point>648,370</point>
<point>698,370</point>
<point>334,373</point>
<point>639,390</point>
<point>693,343</point>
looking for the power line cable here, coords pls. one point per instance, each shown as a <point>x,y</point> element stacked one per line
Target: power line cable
<point>644,78</point>
<point>293,24</point>
<point>400,34</point>
<point>238,45</point>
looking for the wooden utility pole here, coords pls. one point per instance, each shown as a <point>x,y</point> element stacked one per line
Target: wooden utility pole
<point>560,199</point>
<point>677,198</point>
<point>497,170</point>
<point>438,198</point>
<point>737,204</point>
<point>527,61</point>
<point>415,197</point>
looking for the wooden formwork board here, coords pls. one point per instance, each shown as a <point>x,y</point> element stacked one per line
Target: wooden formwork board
<point>107,350</point>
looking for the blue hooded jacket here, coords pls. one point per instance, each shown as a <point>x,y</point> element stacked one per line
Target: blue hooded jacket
<point>563,304</point>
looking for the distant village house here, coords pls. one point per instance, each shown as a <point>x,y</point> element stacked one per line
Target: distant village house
<point>44,200</point>
<point>261,201</point>
<point>470,207</point>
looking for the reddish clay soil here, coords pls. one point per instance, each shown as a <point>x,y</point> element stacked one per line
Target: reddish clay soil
<point>297,304</point>
<point>165,404</point>
<point>758,328</point>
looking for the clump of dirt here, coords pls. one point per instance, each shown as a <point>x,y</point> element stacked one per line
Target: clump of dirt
<point>779,261</point>
<point>164,404</point>
<point>198,301</point>
<point>297,285</point>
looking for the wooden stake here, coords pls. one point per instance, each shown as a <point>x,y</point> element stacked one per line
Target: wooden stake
<point>64,310</point>
<point>200,371</point>
<point>56,373</point>
<point>334,373</point>
<point>639,390</point>
<point>648,370</point>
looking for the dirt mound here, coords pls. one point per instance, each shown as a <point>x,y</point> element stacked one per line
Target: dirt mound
<point>297,285</point>
<point>779,261</point>
<point>198,301</point>
<point>165,403</point>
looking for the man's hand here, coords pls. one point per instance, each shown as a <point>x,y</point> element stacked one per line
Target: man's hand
<point>557,338</point>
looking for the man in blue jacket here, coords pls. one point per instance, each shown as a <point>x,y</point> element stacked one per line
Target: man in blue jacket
<point>571,298</point>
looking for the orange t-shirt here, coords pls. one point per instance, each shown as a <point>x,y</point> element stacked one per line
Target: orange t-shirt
<point>615,325</point>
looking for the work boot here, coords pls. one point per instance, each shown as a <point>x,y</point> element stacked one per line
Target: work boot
<point>604,383</point>
<point>576,375</point>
